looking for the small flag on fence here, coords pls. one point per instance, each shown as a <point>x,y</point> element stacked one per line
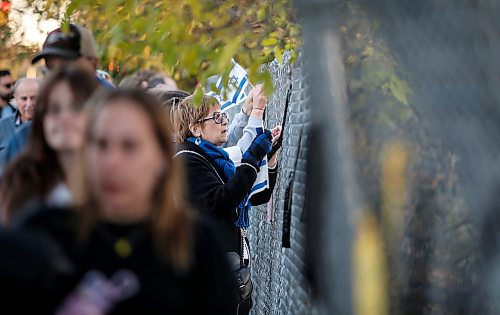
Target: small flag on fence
<point>238,88</point>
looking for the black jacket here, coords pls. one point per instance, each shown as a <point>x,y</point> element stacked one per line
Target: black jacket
<point>207,288</point>
<point>208,192</point>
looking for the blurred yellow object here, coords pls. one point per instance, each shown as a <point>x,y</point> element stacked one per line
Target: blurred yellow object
<point>394,161</point>
<point>123,248</point>
<point>3,18</point>
<point>370,269</point>
<point>31,73</point>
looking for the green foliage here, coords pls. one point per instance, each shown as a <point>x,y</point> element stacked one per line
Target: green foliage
<point>399,89</point>
<point>189,39</point>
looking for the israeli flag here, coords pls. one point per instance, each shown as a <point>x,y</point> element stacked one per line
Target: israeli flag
<point>238,88</point>
<point>262,181</point>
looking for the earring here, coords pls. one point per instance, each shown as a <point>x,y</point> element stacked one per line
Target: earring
<point>197,141</point>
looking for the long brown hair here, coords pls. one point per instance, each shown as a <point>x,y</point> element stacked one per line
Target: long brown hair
<point>172,219</point>
<point>36,171</point>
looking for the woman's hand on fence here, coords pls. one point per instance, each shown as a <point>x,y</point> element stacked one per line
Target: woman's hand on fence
<point>259,98</point>
<point>248,105</point>
<point>276,133</point>
<point>277,141</point>
<point>259,101</point>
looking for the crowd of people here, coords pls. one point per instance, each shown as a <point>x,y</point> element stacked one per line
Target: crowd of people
<point>125,200</point>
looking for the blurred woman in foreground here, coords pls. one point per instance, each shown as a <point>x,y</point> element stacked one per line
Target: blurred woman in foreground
<point>139,249</point>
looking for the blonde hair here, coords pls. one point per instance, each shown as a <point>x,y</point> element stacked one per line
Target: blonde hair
<point>187,113</point>
<point>172,219</point>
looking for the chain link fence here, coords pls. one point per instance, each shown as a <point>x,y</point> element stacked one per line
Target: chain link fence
<point>404,105</point>
<point>386,200</point>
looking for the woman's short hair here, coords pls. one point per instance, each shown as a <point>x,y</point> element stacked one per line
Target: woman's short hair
<point>187,113</point>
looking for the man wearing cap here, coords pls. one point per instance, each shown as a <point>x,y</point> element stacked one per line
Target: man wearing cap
<point>77,47</point>
<point>6,88</point>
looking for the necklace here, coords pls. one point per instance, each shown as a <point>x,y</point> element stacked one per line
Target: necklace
<point>123,248</point>
<point>123,245</point>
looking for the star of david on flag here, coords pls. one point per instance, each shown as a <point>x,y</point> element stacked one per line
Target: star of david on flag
<point>238,88</point>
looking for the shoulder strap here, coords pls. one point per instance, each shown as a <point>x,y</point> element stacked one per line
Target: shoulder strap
<point>203,159</point>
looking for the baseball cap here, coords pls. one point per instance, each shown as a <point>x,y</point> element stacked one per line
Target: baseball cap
<point>76,43</point>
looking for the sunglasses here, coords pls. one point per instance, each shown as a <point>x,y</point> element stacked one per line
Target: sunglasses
<point>218,118</point>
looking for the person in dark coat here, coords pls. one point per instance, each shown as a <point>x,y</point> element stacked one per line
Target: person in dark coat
<point>32,266</point>
<point>136,246</point>
<point>215,185</point>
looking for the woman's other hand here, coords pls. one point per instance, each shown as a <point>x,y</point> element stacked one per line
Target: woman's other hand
<point>248,105</point>
<point>276,133</point>
<point>259,99</point>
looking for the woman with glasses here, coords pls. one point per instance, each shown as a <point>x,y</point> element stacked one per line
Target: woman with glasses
<point>47,172</point>
<point>215,185</point>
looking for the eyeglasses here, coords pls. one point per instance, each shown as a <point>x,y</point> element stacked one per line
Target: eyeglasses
<point>218,118</point>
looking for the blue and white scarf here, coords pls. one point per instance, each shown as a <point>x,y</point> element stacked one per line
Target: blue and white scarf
<point>220,159</point>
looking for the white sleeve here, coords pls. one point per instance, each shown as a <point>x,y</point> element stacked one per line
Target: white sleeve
<point>250,132</point>
<point>235,130</point>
